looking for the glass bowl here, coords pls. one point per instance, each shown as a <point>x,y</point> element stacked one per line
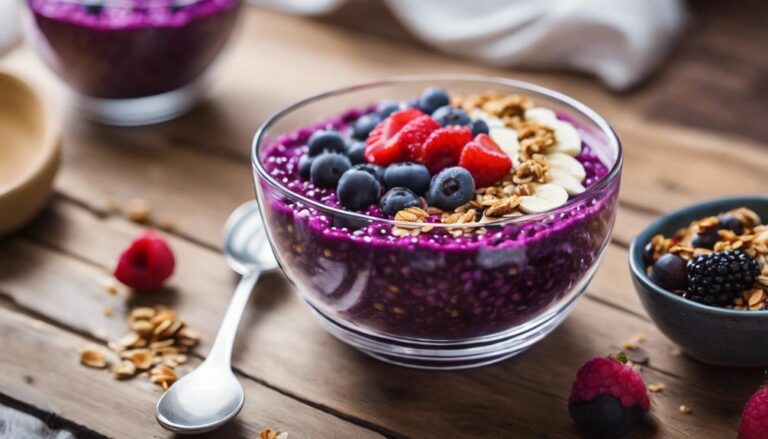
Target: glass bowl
<point>433,300</point>
<point>131,62</point>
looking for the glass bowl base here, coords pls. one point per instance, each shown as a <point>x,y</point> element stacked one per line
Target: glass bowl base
<point>140,111</point>
<point>448,355</point>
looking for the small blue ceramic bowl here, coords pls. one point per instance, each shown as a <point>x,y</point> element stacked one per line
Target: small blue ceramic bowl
<point>712,335</point>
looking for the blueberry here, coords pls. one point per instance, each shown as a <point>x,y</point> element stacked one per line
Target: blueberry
<point>364,125</point>
<point>706,239</point>
<point>94,7</point>
<point>730,222</point>
<point>648,253</point>
<point>387,107</point>
<point>356,152</point>
<point>447,115</point>
<point>326,141</point>
<point>670,272</point>
<point>604,416</point>
<point>358,189</point>
<point>451,188</point>
<point>432,99</point>
<point>479,127</point>
<point>305,165</point>
<point>327,169</point>
<point>397,199</point>
<point>413,176</point>
<point>375,170</point>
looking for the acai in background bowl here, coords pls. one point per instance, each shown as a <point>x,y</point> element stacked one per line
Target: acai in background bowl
<point>710,334</point>
<point>131,62</point>
<point>433,300</point>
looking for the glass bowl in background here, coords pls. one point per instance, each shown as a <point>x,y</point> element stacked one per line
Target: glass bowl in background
<point>131,62</point>
<point>438,303</point>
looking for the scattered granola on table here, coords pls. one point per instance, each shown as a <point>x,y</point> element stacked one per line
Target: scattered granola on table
<point>720,260</point>
<point>158,343</point>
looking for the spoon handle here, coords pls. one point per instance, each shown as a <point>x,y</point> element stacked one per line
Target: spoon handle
<point>221,352</point>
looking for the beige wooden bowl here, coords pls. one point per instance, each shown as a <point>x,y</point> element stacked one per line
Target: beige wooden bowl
<point>29,152</point>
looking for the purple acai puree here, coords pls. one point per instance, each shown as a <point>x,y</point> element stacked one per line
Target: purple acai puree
<point>432,286</point>
<point>121,49</point>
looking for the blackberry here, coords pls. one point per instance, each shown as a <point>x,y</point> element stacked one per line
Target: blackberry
<point>716,278</point>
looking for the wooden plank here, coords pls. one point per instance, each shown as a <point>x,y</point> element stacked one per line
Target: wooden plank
<point>316,367</point>
<point>40,367</point>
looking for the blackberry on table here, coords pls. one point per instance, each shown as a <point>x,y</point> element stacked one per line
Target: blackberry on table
<point>716,278</point>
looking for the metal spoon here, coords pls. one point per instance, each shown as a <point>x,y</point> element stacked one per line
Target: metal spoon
<point>210,395</point>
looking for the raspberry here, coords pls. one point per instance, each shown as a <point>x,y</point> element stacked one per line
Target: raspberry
<point>716,278</point>
<point>442,148</point>
<point>485,160</point>
<point>147,263</point>
<point>754,419</point>
<point>608,398</point>
<point>415,133</point>
<point>381,145</point>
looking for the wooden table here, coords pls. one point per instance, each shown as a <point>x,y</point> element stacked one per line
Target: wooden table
<point>698,131</point>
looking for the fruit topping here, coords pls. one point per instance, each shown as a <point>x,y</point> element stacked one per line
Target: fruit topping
<point>485,160</point>
<point>567,181</point>
<point>670,272</point>
<point>432,99</point>
<point>479,126</point>
<point>413,176</point>
<point>506,138</point>
<point>326,141</point>
<point>451,188</point>
<point>376,171</point>
<point>383,146</point>
<point>705,239</point>
<point>356,152</point>
<point>328,168</point>
<point>607,398</point>
<point>397,199</point>
<point>305,165</point>
<point>358,189</point>
<point>730,222</point>
<point>544,197</point>
<point>717,278</point>
<point>754,419</point>
<point>364,125</point>
<point>568,139</point>
<point>147,263</point>
<point>448,115</point>
<point>568,164</point>
<point>442,149</point>
<point>415,133</point>
<point>387,107</point>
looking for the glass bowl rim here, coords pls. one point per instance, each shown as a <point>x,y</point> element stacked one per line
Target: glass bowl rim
<point>528,87</point>
<point>127,4</point>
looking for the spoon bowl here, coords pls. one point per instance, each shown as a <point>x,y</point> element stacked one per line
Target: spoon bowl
<point>210,395</point>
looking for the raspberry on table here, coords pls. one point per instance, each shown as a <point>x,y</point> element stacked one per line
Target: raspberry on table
<point>754,419</point>
<point>147,263</point>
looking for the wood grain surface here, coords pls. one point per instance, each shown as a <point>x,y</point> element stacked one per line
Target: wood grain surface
<point>195,170</point>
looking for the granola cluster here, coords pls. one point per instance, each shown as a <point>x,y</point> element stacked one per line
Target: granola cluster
<point>155,347</point>
<point>501,200</point>
<point>752,240</point>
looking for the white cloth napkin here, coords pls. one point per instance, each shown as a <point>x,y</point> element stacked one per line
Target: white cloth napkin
<point>9,24</point>
<point>620,41</point>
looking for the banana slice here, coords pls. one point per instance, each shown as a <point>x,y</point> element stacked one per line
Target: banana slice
<point>506,138</point>
<point>566,181</point>
<point>493,122</point>
<point>540,115</point>
<point>545,197</point>
<point>567,164</point>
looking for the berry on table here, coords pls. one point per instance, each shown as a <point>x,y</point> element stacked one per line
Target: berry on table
<point>479,126</point>
<point>447,115</point>
<point>607,398</point>
<point>356,152</point>
<point>375,170</point>
<point>328,168</point>
<point>413,176</point>
<point>326,141</point>
<point>443,147</point>
<point>147,263</point>
<point>485,160</point>
<point>716,278</point>
<point>451,188</point>
<point>305,164</point>
<point>364,125</point>
<point>432,99</point>
<point>670,272</point>
<point>358,189</point>
<point>382,146</point>
<point>754,419</point>
<point>387,107</point>
<point>397,199</point>
<point>730,222</point>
